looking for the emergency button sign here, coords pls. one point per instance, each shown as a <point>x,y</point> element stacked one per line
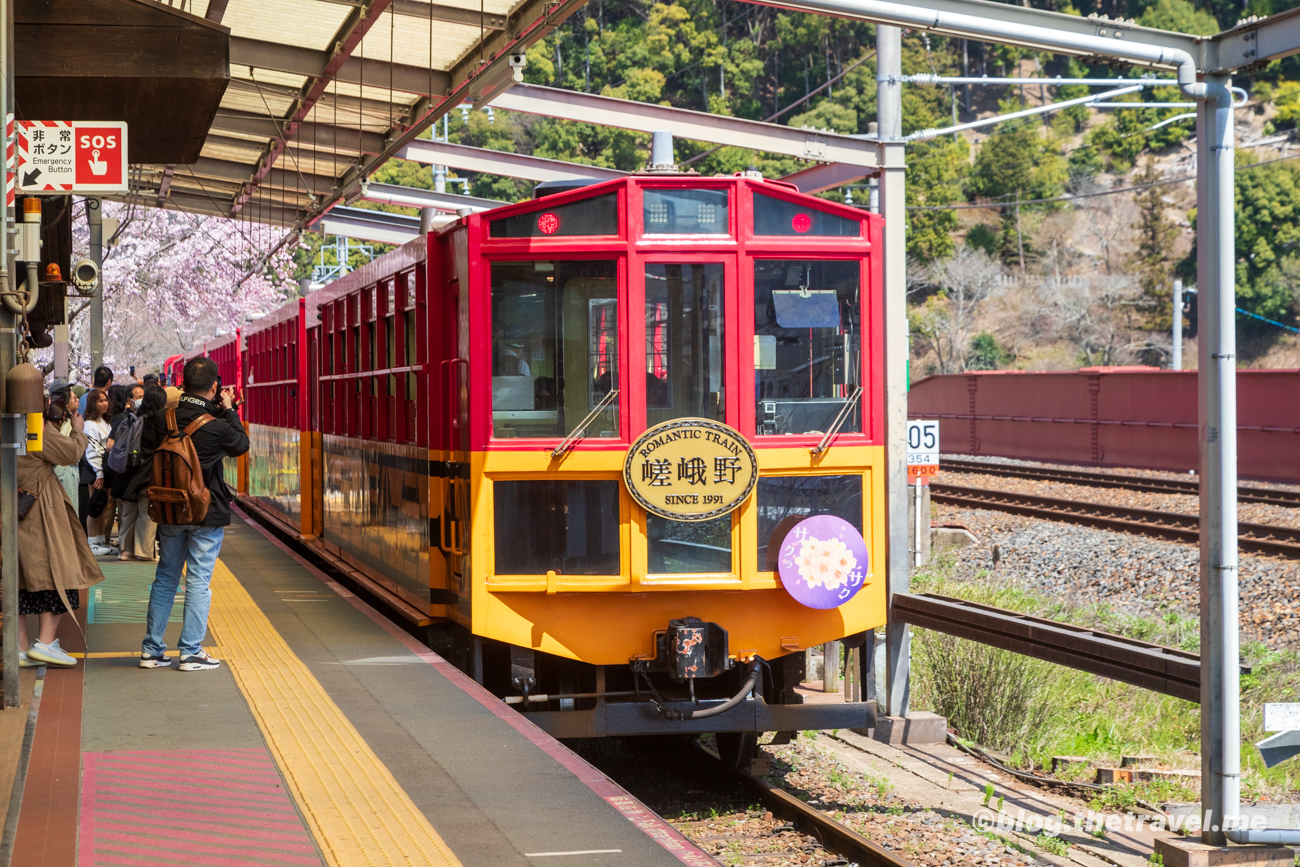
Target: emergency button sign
<point>59,156</point>
<point>101,156</point>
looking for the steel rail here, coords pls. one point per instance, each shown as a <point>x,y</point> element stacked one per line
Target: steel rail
<point>1151,484</point>
<point>835,836</point>
<point>1259,538</point>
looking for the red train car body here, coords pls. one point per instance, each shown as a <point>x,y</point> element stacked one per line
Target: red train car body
<point>451,422</point>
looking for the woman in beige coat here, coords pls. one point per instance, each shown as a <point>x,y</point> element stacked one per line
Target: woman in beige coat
<point>54,559</point>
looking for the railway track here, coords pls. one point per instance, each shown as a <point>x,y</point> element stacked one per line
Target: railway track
<point>1257,538</point>
<point>1245,493</point>
<point>835,836</point>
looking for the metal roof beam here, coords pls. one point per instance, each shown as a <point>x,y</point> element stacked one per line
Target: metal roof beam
<point>472,159</point>
<point>533,20</point>
<point>319,134</point>
<point>335,68</point>
<point>1023,16</point>
<point>300,151</point>
<point>450,14</point>
<point>413,197</point>
<point>194,203</point>
<point>437,12</point>
<point>229,170</point>
<point>355,70</point>
<point>826,176</point>
<point>370,225</point>
<point>695,125</point>
<point>371,107</point>
<point>1260,42</point>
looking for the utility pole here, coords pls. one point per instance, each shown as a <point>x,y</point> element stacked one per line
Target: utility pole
<point>9,423</point>
<point>1177,363</point>
<point>889,102</point>
<point>94,216</point>
<point>1217,410</point>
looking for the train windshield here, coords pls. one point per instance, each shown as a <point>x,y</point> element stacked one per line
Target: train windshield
<point>807,344</point>
<point>684,342</point>
<point>773,216</point>
<point>686,212</point>
<point>554,347</point>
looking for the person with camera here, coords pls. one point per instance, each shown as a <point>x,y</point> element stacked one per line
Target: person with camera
<point>207,416</point>
<point>54,559</point>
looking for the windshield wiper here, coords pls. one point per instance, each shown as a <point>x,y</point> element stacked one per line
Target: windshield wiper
<point>581,430</point>
<point>838,423</point>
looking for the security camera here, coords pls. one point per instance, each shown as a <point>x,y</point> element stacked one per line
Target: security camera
<point>518,61</point>
<point>86,275</point>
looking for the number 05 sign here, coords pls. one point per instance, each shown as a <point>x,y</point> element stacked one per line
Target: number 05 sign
<point>922,448</point>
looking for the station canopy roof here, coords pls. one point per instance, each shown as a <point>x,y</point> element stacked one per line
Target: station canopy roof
<point>322,92</point>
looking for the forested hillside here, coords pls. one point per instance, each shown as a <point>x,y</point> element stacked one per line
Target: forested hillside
<point>1028,244</point>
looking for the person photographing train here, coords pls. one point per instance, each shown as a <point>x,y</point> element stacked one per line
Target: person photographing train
<point>205,418</point>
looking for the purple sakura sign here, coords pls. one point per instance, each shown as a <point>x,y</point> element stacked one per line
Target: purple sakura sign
<point>823,561</point>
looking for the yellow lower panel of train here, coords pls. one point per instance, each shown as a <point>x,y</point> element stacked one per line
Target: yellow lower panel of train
<point>609,616</point>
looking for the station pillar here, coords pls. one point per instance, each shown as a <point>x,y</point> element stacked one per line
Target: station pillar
<point>1217,409</point>
<point>94,217</point>
<point>9,431</point>
<point>889,101</point>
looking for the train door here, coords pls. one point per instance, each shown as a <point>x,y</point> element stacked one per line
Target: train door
<point>454,368</point>
<point>687,300</point>
<point>312,480</point>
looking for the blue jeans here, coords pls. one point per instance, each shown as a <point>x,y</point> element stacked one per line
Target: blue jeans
<point>195,550</point>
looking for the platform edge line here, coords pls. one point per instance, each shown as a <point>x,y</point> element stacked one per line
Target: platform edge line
<point>585,772</point>
<point>287,713</point>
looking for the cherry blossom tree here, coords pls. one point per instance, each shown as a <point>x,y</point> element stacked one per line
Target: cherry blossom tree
<point>172,279</point>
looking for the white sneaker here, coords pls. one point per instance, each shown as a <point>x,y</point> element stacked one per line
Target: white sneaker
<point>51,654</point>
<point>199,662</point>
<point>104,550</point>
<point>24,662</point>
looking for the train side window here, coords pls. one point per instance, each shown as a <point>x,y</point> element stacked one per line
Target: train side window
<point>555,347</point>
<point>685,212</point>
<point>773,216</point>
<point>569,527</point>
<point>807,344</point>
<point>684,342</point>
<point>595,216</point>
<point>784,501</point>
<point>688,547</point>
<point>409,319</point>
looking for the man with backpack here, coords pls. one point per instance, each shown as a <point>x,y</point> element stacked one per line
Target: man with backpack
<point>181,456</point>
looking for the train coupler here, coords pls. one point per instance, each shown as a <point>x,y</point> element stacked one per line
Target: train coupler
<point>690,648</point>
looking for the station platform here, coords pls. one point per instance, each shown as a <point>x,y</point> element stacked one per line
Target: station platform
<point>328,737</point>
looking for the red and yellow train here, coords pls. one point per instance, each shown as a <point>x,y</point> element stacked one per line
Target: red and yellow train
<point>573,438</point>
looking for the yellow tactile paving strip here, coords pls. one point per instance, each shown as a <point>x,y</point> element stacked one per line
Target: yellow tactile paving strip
<point>354,808</point>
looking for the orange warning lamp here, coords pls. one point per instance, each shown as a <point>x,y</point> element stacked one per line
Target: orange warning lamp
<point>53,274</point>
<point>31,209</point>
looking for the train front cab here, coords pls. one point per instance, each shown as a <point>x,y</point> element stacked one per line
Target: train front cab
<point>729,299</point>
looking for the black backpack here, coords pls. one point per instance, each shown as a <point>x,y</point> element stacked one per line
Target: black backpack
<point>125,453</point>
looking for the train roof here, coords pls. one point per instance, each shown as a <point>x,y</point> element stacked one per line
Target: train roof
<point>552,207</point>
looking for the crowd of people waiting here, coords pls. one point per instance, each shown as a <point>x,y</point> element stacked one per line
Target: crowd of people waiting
<point>92,476</point>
